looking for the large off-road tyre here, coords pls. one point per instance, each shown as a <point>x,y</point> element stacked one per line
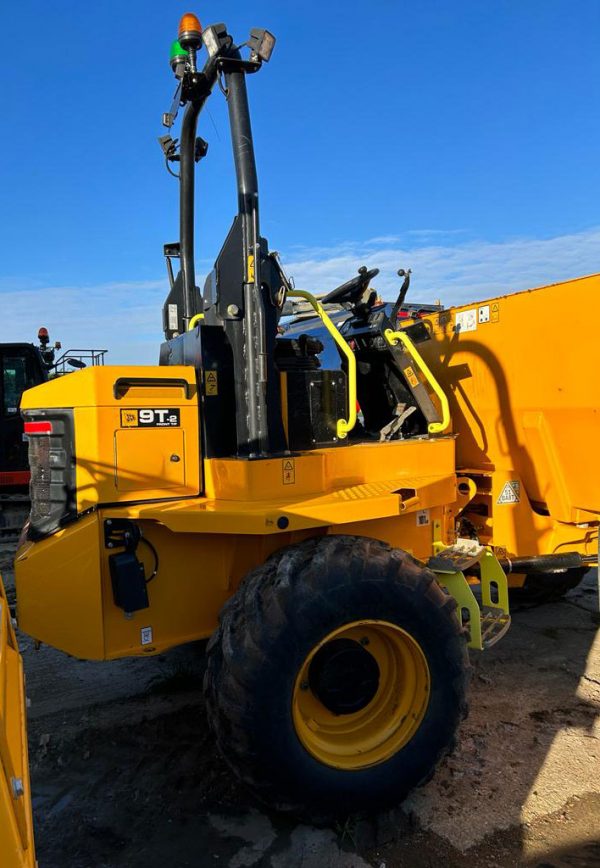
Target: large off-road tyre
<point>337,678</point>
<point>542,588</point>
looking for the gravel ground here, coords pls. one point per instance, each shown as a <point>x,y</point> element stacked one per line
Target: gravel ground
<point>126,774</point>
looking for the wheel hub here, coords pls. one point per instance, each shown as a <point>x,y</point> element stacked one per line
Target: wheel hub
<point>343,676</point>
<point>361,694</point>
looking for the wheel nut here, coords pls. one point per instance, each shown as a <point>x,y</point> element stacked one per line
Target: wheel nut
<point>364,640</point>
<point>304,685</point>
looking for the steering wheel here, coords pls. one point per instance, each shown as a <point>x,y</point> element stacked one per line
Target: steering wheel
<point>352,290</point>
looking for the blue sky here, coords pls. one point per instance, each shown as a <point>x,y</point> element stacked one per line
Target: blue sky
<point>460,139</point>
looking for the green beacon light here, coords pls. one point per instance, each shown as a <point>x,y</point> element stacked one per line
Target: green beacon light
<point>177,58</point>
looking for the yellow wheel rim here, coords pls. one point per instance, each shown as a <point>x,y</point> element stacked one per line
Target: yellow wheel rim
<point>361,694</point>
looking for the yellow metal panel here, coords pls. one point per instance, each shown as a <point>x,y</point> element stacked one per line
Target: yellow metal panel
<point>149,459</point>
<point>59,590</point>
<point>94,387</point>
<point>16,822</point>
<point>412,531</point>
<point>525,402</point>
<point>108,430</point>
<point>198,572</point>
<point>528,361</point>
<point>66,600</point>
<point>345,506</point>
<point>206,546</point>
<point>322,471</point>
<point>330,487</point>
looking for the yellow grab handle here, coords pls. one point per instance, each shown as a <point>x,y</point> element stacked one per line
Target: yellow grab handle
<point>343,425</point>
<point>194,321</point>
<point>392,338</point>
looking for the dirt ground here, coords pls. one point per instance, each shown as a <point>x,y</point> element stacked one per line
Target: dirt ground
<point>125,772</point>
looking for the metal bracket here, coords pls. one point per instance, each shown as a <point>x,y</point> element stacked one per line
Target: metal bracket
<point>487,623</point>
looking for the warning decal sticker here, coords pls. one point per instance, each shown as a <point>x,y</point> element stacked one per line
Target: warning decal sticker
<point>422,516</point>
<point>411,376</point>
<point>211,383</point>
<point>288,468</point>
<point>511,493</point>
<point>495,312</point>
<point>466,321</point>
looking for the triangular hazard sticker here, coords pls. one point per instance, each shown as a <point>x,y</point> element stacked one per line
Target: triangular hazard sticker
<point>511,493</point>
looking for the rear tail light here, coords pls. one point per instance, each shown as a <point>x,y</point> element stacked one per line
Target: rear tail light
<point>39,485</point>
<point>44,427</point>
<point>52,464</point>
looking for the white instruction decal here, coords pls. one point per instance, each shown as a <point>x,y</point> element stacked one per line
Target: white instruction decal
<point>483,314</point>
<point>511,493</point>
<point>172,317</point>
<point>146,635</point>
<point>422,517</point>
<point>466,320</point>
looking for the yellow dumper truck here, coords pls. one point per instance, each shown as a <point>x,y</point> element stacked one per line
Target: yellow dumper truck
<point>16,824</point>
<point>340,559</point>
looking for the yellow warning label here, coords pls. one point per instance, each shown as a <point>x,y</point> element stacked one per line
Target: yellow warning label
<point>411,376</point>
<point>288,468</point>
<point>129,419</point>
<point>250,269</point>
<point>495,312</point>
<point>211,383</point>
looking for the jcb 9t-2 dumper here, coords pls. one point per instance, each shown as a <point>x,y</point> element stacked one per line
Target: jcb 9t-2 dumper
<point>341,563</point>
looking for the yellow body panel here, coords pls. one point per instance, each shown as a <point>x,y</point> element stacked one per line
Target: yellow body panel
<point>208,543</point>
<point>118,458</point>
<point>16,822</point>
<point>520,372</point>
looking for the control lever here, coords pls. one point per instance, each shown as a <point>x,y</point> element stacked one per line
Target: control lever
<point>401,295</point>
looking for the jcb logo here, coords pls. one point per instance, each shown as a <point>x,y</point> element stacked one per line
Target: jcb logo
<point>150,418</point>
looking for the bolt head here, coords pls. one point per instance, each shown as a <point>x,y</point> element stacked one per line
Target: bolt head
<point>17,787</point>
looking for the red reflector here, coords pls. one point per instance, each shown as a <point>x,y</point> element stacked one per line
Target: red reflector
<point>38,427</point>
<point>15,477</point>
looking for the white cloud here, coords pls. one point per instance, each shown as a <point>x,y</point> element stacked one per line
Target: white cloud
<point>455,273</point>
<point>125,318</point>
